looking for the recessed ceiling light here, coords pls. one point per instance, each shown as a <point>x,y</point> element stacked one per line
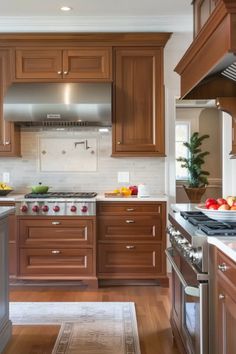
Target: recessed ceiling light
<point>66,8</point>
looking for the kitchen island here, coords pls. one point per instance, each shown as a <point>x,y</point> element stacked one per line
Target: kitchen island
<point>5,323</point>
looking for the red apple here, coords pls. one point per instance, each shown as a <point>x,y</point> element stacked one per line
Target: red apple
<point>134,190</point>
<point>224,207</point>
<point>221,201</point>
<point>214,207</point>
<point>209,202</point>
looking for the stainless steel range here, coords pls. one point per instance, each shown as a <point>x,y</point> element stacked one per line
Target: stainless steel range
<point>188,255</point>
<point>57,204</point>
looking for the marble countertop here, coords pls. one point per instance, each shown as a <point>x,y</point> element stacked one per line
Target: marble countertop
<point>225,244</point>
<point>4,211</point>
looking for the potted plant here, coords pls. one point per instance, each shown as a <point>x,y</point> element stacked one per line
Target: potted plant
<point>197,179</point>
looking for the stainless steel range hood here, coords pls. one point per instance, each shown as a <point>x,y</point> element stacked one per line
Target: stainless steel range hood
<point>58,103</point>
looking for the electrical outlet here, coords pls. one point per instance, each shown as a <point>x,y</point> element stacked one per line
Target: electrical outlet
<point>6,177</point>
<point>123,177</point>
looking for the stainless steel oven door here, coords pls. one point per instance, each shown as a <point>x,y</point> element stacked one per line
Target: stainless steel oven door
<point>194,321</point>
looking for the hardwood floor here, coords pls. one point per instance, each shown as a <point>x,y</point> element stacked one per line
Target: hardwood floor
<point>152,307</point>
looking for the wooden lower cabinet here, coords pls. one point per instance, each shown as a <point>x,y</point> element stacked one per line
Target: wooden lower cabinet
<point>131,240</point>
<point>226,305</point>
<point>56,248</point>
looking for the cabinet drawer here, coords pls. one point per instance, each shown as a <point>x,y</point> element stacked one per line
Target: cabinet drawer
<point>130,228</point>
<point>51,232</point>
<point>56,262</point>
<point>130,259</point>
<point>226,268</point>
<point>129,208</point>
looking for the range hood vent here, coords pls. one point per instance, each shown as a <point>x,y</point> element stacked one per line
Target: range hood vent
<point>230,72</point>
<point>58,104</point>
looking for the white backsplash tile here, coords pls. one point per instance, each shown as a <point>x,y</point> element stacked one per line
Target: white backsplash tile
<point>25,171</point>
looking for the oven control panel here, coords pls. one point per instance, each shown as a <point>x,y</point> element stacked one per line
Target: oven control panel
<point>54,208</point>
<point>178,241</point>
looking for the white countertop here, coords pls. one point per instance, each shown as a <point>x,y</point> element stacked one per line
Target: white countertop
<point>4,211</point>
<point>225,244</point>
<point>99,198</point>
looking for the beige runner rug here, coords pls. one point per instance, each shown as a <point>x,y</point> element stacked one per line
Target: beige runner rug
<point>100,328</point>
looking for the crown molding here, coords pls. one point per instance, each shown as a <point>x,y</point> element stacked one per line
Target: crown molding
<point>95,24</point>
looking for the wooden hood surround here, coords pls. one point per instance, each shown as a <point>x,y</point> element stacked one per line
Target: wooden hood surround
<point>212,51</point>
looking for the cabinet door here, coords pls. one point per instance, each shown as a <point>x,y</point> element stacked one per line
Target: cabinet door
<point>226,320</point>
<point>130,260</point>
<point>87,63</point>
<point>9,133</point>
<point>138,102</point>
<point>38,63</point>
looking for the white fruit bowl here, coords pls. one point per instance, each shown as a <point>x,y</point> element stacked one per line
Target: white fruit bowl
<point>220,215</point>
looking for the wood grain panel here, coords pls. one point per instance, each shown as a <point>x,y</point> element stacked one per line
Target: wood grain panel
<point>68,233</point>
<point>38,63</point>
<point>128,208</point>
<point>43,262</point>
<point>139,111</point>
<point>87,63</point>
<point>130,259</point>
<point>136,228</point>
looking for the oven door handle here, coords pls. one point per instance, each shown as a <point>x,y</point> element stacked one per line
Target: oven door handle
<point>189,290</point>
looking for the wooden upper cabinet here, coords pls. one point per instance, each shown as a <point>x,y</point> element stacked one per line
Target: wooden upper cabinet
<point>138,102</point>
<point>9,134</point>
<point>80,63</point>
<point>202,11</point>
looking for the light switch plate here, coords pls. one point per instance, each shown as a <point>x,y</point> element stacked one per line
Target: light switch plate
<point>123,177</point>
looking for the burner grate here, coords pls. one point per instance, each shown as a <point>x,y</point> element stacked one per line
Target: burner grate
<point>85,195</point>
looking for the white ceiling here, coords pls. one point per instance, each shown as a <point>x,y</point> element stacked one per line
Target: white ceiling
<point>99,15</point>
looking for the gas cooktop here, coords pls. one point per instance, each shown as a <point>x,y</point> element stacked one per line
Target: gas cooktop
<point>76,195</point>
<point>209,226</point>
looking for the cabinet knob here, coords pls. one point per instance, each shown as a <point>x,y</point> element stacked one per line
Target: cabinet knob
<point>129,221</point>
<point>7,142</point>
<point>221,296</point>
<point>59,72</point>
<point>56,252</point>
<point>223,267</point>
<point>130,247</point>
<point>65,73</point>
<point>118,142</point>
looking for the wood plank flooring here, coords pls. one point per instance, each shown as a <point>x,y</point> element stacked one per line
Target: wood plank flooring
<point>152,308</point>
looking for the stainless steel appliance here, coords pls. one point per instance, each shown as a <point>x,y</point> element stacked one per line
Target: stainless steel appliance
<point>188,255</point>
<point>57,204</point>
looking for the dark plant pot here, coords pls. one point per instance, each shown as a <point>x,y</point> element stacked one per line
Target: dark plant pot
<point>195,194</point>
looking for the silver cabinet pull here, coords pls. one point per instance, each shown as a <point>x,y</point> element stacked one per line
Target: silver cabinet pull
<point>129,221</point>
<point>7,142</point>
<point>221,296</point>
<point>59,72</point>
<point>65,72</point>
<point>130,209</point>
<point>130,247</point>
<point>223,267</point>
<point>56,223</point>
<point>56,252</point>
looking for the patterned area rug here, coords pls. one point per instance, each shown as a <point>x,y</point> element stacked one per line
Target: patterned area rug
<point>87,327</point>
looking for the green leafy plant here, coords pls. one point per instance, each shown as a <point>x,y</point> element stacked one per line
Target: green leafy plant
<point>195,160</point>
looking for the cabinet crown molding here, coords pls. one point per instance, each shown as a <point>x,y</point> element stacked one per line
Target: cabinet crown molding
<point>180,23</point>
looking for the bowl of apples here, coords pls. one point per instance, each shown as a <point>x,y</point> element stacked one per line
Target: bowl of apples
<point>221,209</point>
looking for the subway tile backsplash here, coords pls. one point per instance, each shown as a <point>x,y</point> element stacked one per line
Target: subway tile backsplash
<point>25,171</point>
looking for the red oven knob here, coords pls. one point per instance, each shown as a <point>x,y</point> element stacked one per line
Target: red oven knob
<point>45,208</point>
<point>56,208</point>
<point>84,209</point>
<point>35,208</point>
<point>24,208</point>
<point>73,208</point>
